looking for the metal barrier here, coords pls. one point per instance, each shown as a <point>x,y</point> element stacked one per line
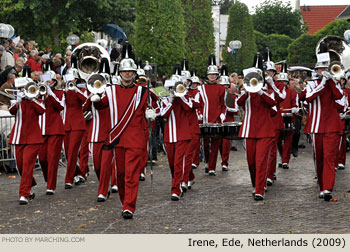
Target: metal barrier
<point>6,155</point>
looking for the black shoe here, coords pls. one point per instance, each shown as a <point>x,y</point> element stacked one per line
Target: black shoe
<point>101,198</point>
<point>175,197</point>
<point>31,196</point>
<point>279,165</point>
<point>212,173</point>
<point>327,196</point>
<point>269,182</point>
<point>194,166</point>
<point>142,177</point>
<point>341,167</point>
<point>295,153</point>
<point>206,170</point>
<point>49,192</point>
<point>274,177</point>
<point>301,146</point>
<point>258,197</point>
<point>127,214</point>
<point>233,148</point>
<point>68,186</point>
<point>114,189</point>
<point>285,166</point>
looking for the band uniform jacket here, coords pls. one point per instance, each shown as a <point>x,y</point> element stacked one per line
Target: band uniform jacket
<point>51,122</point>
<point>101,122</point>
<point>279,95</point>
<point>230,112</point>
<point>73,112</point>
<point>26,129</point>
<point>291,101</point>
<point>213,96</point>
<point>257,122</point>
<point>177,127</point>
<point>118,98</point>
<point>323,115</point>
<point>197,104</point>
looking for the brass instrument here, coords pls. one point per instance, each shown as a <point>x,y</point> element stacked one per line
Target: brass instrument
<point>31,90</point>
<point>71,85</point>
<point>336,69</point>
<point>253,82</point>
<point>179,89</point>
<point>96,84</point>
<point>42,89</point>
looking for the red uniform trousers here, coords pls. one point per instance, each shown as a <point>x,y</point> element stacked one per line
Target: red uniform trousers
<point>285,141</point>
<point>225,149</point>
<point>72,141</point>
<point>84,156</point>
<point>258,152</point>
<point>144,158</point>
<point>341,156</point>
<point>25,159</point>
<point>105,164</point>
<point>212,155</point>
<point>325,149</point>
<point>189,156</point>
<point>176,158</point>
<point>197,151</point>
<point>128,170</point>
<point>49,157</point>
<point>273,155</point>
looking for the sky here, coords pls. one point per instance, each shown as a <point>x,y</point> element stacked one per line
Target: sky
<point>252,3</point>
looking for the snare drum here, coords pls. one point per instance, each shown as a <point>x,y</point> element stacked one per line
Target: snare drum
<point>204,129</point>
<point>288,121</point>
<point>231,130</point>
<point>215,130</point>
<point>347,124</point>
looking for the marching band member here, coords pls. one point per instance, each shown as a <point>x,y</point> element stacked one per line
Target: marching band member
<point>214,109</point>
<point>26,138</point>
<point>177,131</point>
<point>225,147</point>
<point>257,129</point>
<point>128,105</point>
<point>52,129</point>
<point>289,105</point>
<point>192,153</point>
<point>74,126</point>
<point>325,125</point>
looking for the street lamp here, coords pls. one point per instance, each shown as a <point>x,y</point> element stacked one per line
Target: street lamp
<point>72,40</point>
<point>235,45</point>
<point>6,31</point>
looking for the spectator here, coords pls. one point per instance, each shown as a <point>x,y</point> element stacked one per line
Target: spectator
<point>15,70</point>
<point>7,58</point>
<point>44,62</point>
<point>35,76</point>
<point>33,61</point>
<point>9,84</point>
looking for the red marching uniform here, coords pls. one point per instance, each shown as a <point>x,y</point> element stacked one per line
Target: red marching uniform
<point>291,101</point>
<point>279,94</point>
<point>258,131</point>
<point>52,129</point>
<point>226,143</point>
<point>213,96</point>
<point>27,139</point>
<point>127,108</point>
<point>195,136</point>
<point>177,136</point>
<point>74,126</point>
<point>325,126</point>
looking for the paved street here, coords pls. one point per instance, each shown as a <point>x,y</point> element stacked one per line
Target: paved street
<point>221,204</point>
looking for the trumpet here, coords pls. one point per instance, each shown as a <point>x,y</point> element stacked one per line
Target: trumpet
<point>253,82</point>
<point>70,85</point>
<point>179,89</point>
<point>42,89</point>
<point>336,69</point>
<point>31,90</point>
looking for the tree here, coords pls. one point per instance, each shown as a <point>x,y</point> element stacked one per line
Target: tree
<point>199,42</point>
<point>302,50</point>
<point>260,40</point>
<point>50,21</point>
<point>240,27</point>
<point>276,17</point>
<point>160,33</point>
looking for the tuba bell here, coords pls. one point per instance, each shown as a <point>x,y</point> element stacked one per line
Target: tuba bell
<point>253,82</point>
<point>90,57</point>
<point>31,90</point>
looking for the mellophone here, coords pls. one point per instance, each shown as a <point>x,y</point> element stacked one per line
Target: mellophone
<point>228,130</point>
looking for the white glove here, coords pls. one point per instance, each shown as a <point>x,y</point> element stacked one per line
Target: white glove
<point>222,117</point>
<point>294,110</point>
<point>270,81</point>
<point>49,90</point>
<point>260,92</point>
<point>326,75</point>
<point>13,102</point>
<point>20,95</point>
<point>171,97</point>
<point>200,117</point>
<point>342,116</point>
<point>150,114</point>
<point>95,98</point>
